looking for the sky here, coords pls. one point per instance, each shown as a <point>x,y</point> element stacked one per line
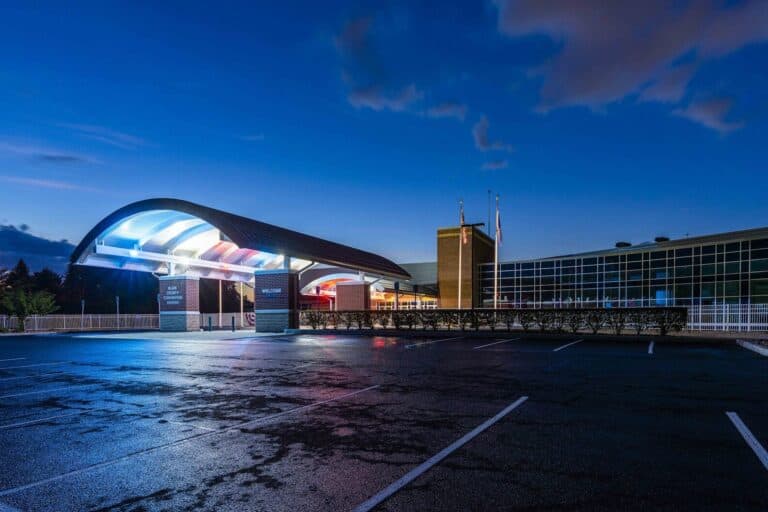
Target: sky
<point>366,122</point>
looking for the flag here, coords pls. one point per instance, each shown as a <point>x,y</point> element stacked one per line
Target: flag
<point>498,221</point>
<point>464,238</point>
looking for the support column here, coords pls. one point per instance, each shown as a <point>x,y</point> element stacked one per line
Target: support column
<point>353,296</point>
<point>179,303</point>
<point>276,300</point>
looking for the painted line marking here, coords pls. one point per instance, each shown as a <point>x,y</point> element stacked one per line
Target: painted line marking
<point>495,343</point>
<point>754,347</point>
<point>751,440</point>
<point>4,379</point>
<point>32,365</point>
<point>13,359</point>
<point>191,425</point>
<point>416,345</point>
<point>41,420</point>
<point>53,390</point>
<point>14,490</point>
<point>558,349</point>
<point>650,347</point>
<point>422,468</point>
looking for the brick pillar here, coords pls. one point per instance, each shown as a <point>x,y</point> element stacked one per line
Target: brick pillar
<point>353,296</point>
<point>276,300</point>
<point>179,303</point>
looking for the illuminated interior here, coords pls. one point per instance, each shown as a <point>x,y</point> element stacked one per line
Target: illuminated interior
<point>172,242</point>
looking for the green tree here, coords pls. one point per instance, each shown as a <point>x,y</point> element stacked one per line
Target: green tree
<point>47,281</point>
<point>22,304</point>
<point>19,278</point>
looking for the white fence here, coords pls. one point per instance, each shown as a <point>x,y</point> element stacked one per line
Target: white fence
<point>728,317</point>
<point>81,322</point>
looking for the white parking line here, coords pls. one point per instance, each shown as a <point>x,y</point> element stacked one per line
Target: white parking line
<point>416,345</point>
<point>650,347</point>
<point>751,440</point>
<point>33,365</point>
<point>496,343</point>
<point>435,459</point>
<point>14,490</point>
<point>754,347</point>
<point>41,420</point>
<point>191,425</point>
<point>558,349</point>
<point>52,390</point>
<point>14,359</point>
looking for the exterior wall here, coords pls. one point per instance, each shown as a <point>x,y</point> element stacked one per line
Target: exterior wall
<point>477,250</point>
<point>353,296</point>
<point>276,300</point>
<point>179,303</point>
<point>715,272</point>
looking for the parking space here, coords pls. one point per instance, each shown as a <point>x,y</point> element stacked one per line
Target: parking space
<point>328,422</point>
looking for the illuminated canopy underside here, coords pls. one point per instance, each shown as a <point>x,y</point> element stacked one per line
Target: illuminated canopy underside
<point>169,236</point>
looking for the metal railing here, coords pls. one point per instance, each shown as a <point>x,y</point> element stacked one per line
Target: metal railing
<point>729,317</point>
<point>49,323</point>
<point>615,320</point>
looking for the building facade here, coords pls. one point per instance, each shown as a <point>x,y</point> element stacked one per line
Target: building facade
<point>725,269</point>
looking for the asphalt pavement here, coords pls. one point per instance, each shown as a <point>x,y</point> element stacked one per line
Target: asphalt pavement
<point>345,422</point>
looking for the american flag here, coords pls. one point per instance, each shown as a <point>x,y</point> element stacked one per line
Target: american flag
<point>498,221</point>
<point>464,237</point>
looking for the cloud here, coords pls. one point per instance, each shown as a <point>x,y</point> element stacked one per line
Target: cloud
<point>495,164</point>
<point>252,138</point>
<point>44,153</point>
<point>610,50</point>
<point>448,109</point>
<point>376,99</point>
<point>36,251</point>
<point>482,142</point>
<point>105,135</point>
<point>369,84</point>
<point>711,113</point>
<point>44,183</point>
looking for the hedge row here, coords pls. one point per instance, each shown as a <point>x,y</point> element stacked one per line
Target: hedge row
<point>618,320</point>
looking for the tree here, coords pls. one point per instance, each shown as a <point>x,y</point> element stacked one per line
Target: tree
<point>22,304</point>
<point>47,281</point>
<point>19,278</point>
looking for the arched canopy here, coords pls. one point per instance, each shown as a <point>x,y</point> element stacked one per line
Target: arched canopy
<point>171,236</point>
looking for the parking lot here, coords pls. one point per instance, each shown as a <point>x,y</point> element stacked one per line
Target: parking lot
<point>336,422</point>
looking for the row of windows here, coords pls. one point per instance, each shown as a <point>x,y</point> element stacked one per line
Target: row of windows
<point>734,251</point>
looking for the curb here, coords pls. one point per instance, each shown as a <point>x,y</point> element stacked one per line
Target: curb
<point>754,347</point>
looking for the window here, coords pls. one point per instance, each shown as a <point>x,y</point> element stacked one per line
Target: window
<point>732,289</point>
<point>759,265</point>
<point>759,287</point>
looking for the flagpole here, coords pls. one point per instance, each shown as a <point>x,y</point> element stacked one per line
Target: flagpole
<point>461,245</point>
<point>496,259</point>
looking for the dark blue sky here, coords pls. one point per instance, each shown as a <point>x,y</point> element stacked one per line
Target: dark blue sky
<point>366,122</point>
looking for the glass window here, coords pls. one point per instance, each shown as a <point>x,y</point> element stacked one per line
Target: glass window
<point>761,253</point>
<point>659,255</point>
<point>683,252</point>
<point>732,268</point>
<point>682,291</point>
<point>735,246</point>
<point>732,288</point>
<point>707,290</point>
<point>759,265</point>
<point>733,256</point>
<point>759,287</point>
<point>760,244</point>
<point>683,271</point>
<point>708,249</point>
<point>708,270</point>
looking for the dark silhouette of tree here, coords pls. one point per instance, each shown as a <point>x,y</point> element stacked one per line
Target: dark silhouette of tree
<point>19,277</point>
<point>99,287</point>
<point>47,281</point>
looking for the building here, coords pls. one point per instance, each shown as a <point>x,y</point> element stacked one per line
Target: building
<point>722,279</point>
<point>181,242</point>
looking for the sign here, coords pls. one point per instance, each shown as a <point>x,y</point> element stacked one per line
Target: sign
<point>172,296</point>
<point>271,291</point>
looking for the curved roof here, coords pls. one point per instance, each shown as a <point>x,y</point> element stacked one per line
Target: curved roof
<point>241,231</point>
